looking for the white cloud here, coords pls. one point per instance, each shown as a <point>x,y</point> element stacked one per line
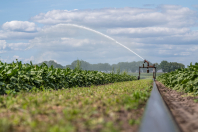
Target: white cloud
<point>59,37</point>
<point>16,30</point>
<point>5,47</point>
<point>2,35</point>
<point>20,26</point>
<point>74,42</point>
<point>16,57</point>
<point>29,59</point>
<point>193,48</point>
<point>18,46</point>
<point>185,53</point>
<point>65,44</point>
<point>171,38</point>
<point>154,33</point>
<point>166,15</point>
<point>2,44</point>
<point>46,55</point>
<point>12,35</point>
<point>148,31</point>
<point>62,42</point>
<point>24,59</point>
<point>195,6</point>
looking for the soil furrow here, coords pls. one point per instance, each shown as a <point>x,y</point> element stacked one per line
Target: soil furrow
<point>183,108</point>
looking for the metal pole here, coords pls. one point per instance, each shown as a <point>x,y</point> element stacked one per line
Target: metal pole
<point>157,117</point>
<point>139,74</point>
<point>153,72</point>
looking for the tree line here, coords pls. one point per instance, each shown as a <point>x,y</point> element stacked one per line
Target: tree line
<point>170,66</point>
<point>165,66</point>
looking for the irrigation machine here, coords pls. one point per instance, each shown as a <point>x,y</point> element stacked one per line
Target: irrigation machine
<point>153,66</point>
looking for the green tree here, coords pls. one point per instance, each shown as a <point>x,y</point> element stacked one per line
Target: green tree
<point>118,71</point>
<point>170,66</point>
<point>158,67</point>
<point>78,65</point>
<point>165,66</point>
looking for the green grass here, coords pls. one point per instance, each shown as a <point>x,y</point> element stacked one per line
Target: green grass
<point>96,108</point>
<point>145,75</point>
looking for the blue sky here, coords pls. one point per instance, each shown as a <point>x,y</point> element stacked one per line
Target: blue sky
<point>156,29</point>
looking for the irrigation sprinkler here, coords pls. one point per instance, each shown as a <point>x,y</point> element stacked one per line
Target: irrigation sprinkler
<point>153,66</point>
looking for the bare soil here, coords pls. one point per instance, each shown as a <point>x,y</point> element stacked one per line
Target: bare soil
<point>183,108</point>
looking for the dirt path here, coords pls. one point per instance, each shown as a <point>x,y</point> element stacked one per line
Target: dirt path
<point>184,109</point>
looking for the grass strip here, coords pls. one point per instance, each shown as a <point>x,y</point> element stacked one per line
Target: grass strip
<point>114,107</point>
<point>146,75</point>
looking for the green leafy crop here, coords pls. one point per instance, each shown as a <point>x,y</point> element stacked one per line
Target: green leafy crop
<point>185,79</point>
<point>17,77</point>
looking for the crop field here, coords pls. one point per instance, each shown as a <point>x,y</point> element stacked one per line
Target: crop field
<point>113,107</point>
<point>16,77</point>
<point>185,79</point>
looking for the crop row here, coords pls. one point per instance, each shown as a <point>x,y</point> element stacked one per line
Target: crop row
<point>17,77</point>
<point>185,79</point>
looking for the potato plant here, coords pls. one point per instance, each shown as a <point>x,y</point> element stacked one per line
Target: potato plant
<point>17,77</point>
<point>185,79</point>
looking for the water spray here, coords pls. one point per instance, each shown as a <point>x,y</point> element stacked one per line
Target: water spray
<point>74,25</point>
<point>92,30</point>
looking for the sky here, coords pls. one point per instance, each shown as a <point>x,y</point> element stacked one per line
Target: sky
<point>66,30</point>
